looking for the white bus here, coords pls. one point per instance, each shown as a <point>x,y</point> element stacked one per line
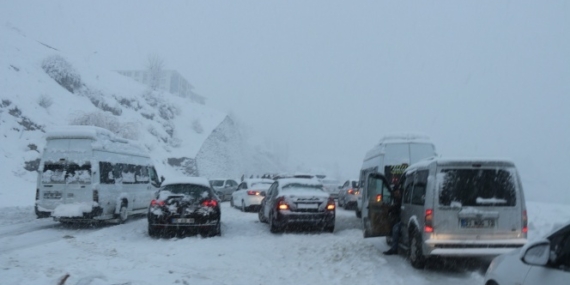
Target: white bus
<point>88,174</point>
<point>391,157</point>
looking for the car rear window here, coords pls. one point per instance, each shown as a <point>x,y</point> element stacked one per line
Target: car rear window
<point>192,190</point>
<point>298,186</point>
<point>354,184</point>
<point>217,183</point>
<point>477,187</point>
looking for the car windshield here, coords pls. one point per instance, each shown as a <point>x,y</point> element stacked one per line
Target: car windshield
<point>192,190</point>
<point>477,187</point>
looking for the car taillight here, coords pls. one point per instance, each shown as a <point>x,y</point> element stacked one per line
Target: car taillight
<point>428,225</point>
<point>281,204</point>
<point>210,203</point>
<point>350,191</point>
<point>379,198</point>
<point>37,194</point>
<point>330,204</point>
<point>157,203</point>
<point>253,193</point>
<point>524,222</point>
<point>95,196</point>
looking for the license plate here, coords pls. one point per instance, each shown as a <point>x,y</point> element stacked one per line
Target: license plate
<point>183,221</point>
<point>52,195</point>
<point>308,206</point>
<point>477,223</point>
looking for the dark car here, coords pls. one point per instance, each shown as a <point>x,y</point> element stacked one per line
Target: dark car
<point>184,206</point>
<point>298,204</point>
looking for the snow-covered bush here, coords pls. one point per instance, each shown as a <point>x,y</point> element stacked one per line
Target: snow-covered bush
<point>109,122</point>
<point>98,100</point>
<point>197,126</point>
<point>45,101</point>
<point>62,72</point>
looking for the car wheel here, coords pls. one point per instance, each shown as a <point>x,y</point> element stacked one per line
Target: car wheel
<point>272,226</point>
<point>232,202</point>
<point>358,213</point>
<point>153,231</point>
<point>260,215</point>
<point>243,209</point>
<point>329,229</point>
<point>417,258</point>
<point>123,215</point>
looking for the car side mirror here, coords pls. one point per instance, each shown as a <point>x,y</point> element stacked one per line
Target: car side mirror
<point>537,253</point>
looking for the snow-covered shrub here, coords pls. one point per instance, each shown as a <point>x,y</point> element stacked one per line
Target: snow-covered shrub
<point>97,99</point>
<point>109,122</point>
<point>45,101</point>
<point>62,72</point>
<point>197,126</point>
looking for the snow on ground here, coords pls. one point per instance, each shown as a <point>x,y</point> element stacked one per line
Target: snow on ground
<point>42,251</point>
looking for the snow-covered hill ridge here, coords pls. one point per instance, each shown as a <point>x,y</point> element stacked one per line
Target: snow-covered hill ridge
<point>40,87</point>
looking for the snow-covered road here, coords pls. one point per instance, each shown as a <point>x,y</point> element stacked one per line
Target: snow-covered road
<point>41,251</point>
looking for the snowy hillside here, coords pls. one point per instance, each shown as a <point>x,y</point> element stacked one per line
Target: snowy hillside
<point>41,87</point>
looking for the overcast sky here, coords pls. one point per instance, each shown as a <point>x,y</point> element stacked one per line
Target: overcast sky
<point>330,78</point>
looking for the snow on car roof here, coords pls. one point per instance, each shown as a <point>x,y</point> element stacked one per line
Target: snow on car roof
<point>404,137</point>
<point>258,180</point>
<point>484,161</point>
<point>307,181</point>
<point>188,180</point>
<point>102,139</point>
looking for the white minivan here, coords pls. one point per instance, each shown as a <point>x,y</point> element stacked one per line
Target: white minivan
<point>390,158</point>
<point>88,174</point>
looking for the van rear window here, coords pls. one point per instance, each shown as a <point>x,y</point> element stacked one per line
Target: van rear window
<point>477,187</point>
<point>60,173</point>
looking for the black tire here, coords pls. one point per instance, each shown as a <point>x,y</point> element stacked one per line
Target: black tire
<point>415,253</point>
<point>213,231</point>
<point>260,215</point>
<point>272,226</point>
<point>153,232</point>
<point>358,213</point>
<point>123,214</point>
<point>40,214</point>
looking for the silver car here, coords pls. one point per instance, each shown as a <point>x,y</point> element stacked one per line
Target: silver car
<point>224,187</point>
<point>348,194</point>
<point>456,208</point>
<point>545,261</point>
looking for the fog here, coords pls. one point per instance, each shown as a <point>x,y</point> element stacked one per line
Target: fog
<point>327,79</point>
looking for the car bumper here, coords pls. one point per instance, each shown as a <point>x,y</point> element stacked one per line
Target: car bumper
<point>472,248</point>
<point>95,214</point>
<point>167,221</point>
<point>253,201</point>
<point>285,218</point>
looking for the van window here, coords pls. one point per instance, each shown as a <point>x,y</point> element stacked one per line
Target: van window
<point>60,173</point>
<point>78,174</point>
<point>396,154</point>
<point>141,175</point>
<point>376,187</point>
<point>477,187</point>
<point>106,173</point>
<point>419,151</point>
<point>420,183</point>
<point>54,173</point>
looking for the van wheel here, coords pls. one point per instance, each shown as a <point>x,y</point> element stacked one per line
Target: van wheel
<point>123,214</point>
<point>417,258</point>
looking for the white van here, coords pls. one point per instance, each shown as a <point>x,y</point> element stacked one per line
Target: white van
<point>391,157</point>
<point>88,174</point>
